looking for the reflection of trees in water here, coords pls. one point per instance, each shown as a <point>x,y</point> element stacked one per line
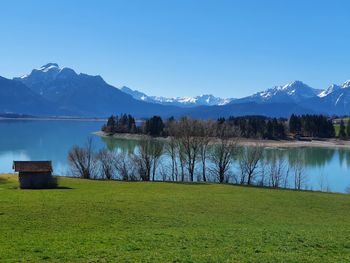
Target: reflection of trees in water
<point>312,156</point>
<point>318,156</point>
<point>272,154</point>
<point>124,145</point>
<point>120,145</point>
<point>344,157</point>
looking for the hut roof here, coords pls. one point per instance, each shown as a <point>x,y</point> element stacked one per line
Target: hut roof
<point>32,166</point>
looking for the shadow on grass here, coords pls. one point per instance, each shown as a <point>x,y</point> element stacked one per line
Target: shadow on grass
<point>155,181</point>
<point>187,183</point>
<point>63,188</point>
<point>3,180</point>
<point>38,189</point>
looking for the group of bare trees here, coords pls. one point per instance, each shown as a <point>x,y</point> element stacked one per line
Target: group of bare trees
<point>193,144</point>
<point>190,153</point>
<point>82,160</point>
<point>87,163</point>
<point>276,172</point>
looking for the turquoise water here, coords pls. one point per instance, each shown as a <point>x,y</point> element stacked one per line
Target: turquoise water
<point>326,169</point>
<point>43,140</point>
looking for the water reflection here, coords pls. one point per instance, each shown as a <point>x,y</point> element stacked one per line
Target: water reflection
<point>325,169</point>
<point>344,157</point>
<point>313,157</point>
<point>122,145</point>
<point>43,140</point>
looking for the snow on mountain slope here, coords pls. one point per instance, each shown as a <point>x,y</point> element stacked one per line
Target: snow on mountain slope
<point>85,95</point>
<point>336,99</point>
<point>329,90</point>
<point>202,100</point>
<point>39,79</point>
<point>293,92</point>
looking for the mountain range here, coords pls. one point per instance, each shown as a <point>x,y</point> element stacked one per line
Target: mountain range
<point>201,100</point>
<point>54,91</point>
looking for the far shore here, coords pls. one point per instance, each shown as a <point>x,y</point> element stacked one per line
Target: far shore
<point>326,143</point>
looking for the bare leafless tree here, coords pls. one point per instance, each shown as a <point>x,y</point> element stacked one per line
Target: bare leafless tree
<point>143,159</point>
<point>286,177</point>
<point>124,165</point>
<point>156,148</point>
<point>263,173</point>
<point>147,158</point>
<point>221,157</point>
<point>82,160</point>
<point>106,160</point>
<point>164,173</point>
<point>182,160</point>
<point>190,143</point>
<point>205,132</point>
<point>299,173</point>
<point>249,163</point>
<point>277,172</point>
<point>171,151</point>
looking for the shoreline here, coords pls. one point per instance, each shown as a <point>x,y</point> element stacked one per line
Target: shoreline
<point>53,119</point>
<point>327,143</point>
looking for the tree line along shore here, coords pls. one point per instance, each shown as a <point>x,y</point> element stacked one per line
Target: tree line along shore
<point>252,127</point>
<point>297,131</point>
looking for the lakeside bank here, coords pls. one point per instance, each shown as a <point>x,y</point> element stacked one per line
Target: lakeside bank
<point>326,143</point>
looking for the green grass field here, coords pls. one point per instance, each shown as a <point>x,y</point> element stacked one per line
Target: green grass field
<point>100,221</point>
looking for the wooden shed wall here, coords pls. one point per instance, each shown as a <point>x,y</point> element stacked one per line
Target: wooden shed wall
<point>32,180</point>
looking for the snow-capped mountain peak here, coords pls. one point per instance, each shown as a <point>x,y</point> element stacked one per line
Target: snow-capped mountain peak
<point>346,84</point>
<point>297,86</point>
<point>50,70</point>
<point>329,90</point>
<point>39,80</point>
<point>49,66</point>
<point>293,92</point>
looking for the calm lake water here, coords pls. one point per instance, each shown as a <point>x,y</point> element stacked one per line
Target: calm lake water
<point>51,140</point>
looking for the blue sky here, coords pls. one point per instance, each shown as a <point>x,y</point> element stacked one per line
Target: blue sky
<point>184,47</point>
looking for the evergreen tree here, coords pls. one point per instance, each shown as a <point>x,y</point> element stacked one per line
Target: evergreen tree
<point>294,124</point>
<point>123,124</point>
<point>131,124</point>
<point>111,125</point>
<point>154,126</point>
<point>269,130</point>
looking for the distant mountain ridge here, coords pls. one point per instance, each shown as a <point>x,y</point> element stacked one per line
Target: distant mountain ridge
<point>201,100</point>
<point>51,90</point>
<point>15,97</point>
<point>84,95</point>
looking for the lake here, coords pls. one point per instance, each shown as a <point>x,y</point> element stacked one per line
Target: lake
<point>326,169</point>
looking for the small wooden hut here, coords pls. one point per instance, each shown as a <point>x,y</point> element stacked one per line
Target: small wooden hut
<point>34,174</point>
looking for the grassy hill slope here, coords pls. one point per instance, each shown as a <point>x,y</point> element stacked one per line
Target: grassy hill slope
<point>99,221</point>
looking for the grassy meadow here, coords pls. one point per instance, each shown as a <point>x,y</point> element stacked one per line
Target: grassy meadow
<point>102,221</point>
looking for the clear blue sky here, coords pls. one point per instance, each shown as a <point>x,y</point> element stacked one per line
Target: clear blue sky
<point>177,48</point>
